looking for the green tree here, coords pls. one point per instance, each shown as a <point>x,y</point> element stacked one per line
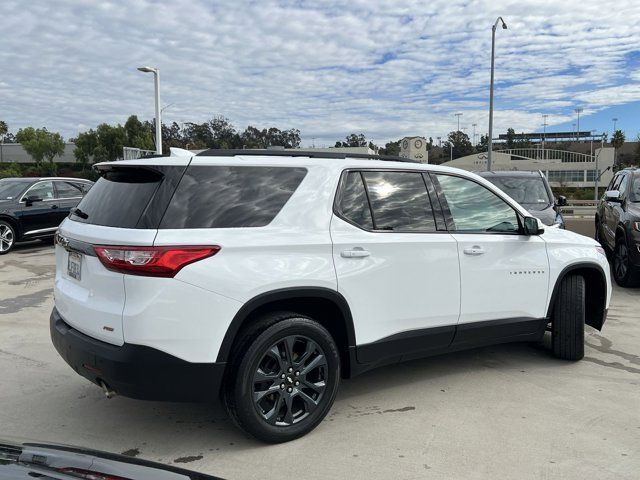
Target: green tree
<point>111,140</point>
<point>483,146</point>
<point>391,148</point>
<point>460,142</point>
<point>41,144</point>
<point>4,129</point>
<point>138,134</point>
<point>353,140</point>
<point>86,145</point>
<point>511,135</point>
<point>617,140</point>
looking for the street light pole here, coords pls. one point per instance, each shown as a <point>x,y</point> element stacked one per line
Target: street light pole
<point>493,54</point>
<point>578,111</point>
<point>474,133</point>
<point>544,134</point>
<point>156,78</point>
<point>458,115</point>
<point>615,120</point>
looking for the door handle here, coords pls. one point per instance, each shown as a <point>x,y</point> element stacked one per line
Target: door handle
<point>53,207</point>
<point>357,252</point>
<point>475,250</point>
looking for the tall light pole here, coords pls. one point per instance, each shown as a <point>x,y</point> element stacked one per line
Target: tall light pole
<point>458,115</point>
<point>156,78</point>
<point>578,111</point>
<point>474,125</point>
<point>493,55</point>
<point>544,133</point>
<point>615,120</point>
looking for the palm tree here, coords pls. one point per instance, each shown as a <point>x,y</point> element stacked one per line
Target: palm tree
<point>617,140</point>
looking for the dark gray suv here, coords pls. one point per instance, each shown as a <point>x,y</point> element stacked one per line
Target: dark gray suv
<point>532,191</point>
<point>618,225</point>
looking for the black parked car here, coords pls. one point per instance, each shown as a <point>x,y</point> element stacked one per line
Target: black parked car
<point>618,225</point>
<point>532,191</point>
<point>20,460</point>
<point>32,208</point>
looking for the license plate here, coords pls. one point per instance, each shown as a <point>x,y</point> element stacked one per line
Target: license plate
<point>74,265</point>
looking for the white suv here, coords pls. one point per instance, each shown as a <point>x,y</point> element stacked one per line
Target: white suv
<point>265,278</point>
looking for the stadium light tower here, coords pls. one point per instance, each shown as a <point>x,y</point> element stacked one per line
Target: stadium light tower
<point>493,55</point>
<point>578,111</point>
<point>615,120</point>
<point>458,115</point>
<point>156,79</point>
<point>544,133</point>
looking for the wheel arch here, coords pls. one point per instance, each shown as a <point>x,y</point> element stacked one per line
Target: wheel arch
<point>595,294</point>
<point>14,223</point>
<point>324,305</point>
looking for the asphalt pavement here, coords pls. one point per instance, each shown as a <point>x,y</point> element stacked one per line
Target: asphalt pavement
<point>504,412</point>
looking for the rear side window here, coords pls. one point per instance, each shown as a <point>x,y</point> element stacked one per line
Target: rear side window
<point>68,190</point>
<point>353,203</point>
<point>230,196</point>
<point>119,197</point>
<point>399,201</point>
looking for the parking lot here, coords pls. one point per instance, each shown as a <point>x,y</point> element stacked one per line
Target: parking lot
<point>509,411</point>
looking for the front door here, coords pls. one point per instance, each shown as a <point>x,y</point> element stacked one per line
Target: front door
<point>39,216</point>
<point>504,273</point>
<point>396,269</point>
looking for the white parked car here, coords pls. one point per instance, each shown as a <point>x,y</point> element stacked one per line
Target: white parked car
<point>265,278</point>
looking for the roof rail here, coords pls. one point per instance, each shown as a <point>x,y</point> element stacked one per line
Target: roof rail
<point>213,152</point>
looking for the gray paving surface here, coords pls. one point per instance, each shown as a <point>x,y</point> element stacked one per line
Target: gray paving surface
<point>502,412</point>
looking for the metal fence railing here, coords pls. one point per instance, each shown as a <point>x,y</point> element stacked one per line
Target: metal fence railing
<point>548,154</point>
<point>132,153</point>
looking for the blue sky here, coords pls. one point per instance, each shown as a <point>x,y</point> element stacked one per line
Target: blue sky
<point>329,68</point>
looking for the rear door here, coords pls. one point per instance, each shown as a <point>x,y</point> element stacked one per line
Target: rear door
<point>504,274</point>
<point>397,266</point>
<point>124,207</point>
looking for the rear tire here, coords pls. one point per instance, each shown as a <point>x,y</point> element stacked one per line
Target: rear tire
<point>623,270</point>
<point>283,377</point>
<point>7,237</point>
<point>567,331</point>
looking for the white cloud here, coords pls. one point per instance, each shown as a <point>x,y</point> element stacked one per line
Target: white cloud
<point>316,65</point>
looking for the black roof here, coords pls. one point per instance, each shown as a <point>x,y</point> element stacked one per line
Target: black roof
<point>213,152</point>
<point>510,173</point>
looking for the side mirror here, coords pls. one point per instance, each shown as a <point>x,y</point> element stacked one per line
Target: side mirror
<point>532,226</point>
<point>31,199</point>
<point>562,201</point>
<point>612,196</point>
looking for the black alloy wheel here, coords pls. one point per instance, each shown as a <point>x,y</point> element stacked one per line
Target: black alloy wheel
<point>290,380</point>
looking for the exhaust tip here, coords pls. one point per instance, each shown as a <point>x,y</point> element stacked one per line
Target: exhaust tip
<point>108,392</point>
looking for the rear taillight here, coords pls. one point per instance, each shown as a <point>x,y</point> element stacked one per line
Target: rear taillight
<point>151,261</point>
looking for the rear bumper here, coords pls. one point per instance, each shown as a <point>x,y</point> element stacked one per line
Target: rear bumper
<point>136,371</point>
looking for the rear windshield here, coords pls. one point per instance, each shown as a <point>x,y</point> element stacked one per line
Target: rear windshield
<point>529,191</point>
<point>118,198</point>
<point>230,197</point>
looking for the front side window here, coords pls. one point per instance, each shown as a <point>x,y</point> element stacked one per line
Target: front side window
<point>399,201</point>
<point>353,203</point>
<point>42,190</point>
<point>475,208</point>
<point>622,187</point>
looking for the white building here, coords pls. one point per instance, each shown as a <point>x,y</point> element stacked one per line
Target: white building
<point>561,167</point>
<point>414,148</point>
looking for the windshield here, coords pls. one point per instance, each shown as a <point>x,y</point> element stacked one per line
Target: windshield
<point>10,189</point>
<point>529,191</point>
<point>635,189</point>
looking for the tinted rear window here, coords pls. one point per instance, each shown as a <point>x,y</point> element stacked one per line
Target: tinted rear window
<point>119,197</point>
<point>230,197</point>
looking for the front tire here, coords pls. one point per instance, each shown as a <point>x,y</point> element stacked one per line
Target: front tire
<point>567,332</point>
<point>284,377</point>
<point>7,237</point>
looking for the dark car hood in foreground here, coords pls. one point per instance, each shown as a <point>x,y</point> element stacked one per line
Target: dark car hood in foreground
<point>548,215</point>
<point>28,460</point>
